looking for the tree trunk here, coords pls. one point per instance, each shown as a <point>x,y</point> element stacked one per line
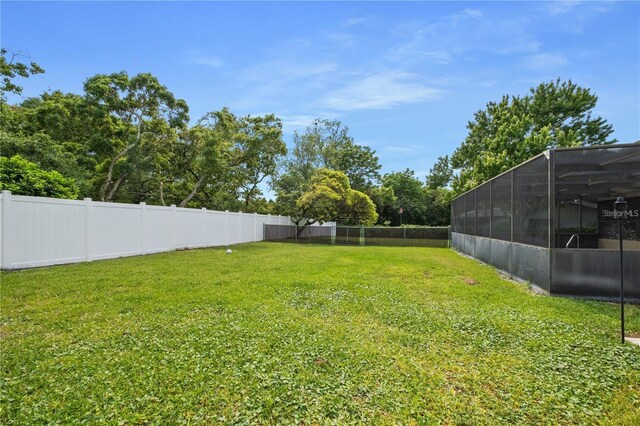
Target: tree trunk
<point>115,187</point>
<point>162,193</point>
<point>193,192</point>
<point>107,182</point>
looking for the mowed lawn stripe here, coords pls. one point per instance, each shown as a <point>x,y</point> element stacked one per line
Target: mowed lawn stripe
<point>280,333</point>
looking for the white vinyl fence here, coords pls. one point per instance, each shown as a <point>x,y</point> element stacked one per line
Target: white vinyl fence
<point>37,231</point>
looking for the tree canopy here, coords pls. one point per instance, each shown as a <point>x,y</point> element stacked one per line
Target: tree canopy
<point>330,198</point>
<point>128,139</point>
<point>11,67</point>
<point>323,144</point>
<point>25,178</point>
<point>508,132</point>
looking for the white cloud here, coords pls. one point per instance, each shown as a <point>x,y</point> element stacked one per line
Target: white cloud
<point>352,22</point>
<point>561,7</point>
<point>439,57</point>
<point>295,122</point>
<point>467,14</point>
<point>309,70</point>
<point>405,149</point>
<point>545,61</point>
<point>380,91</point>
<point>210,61</point>
<point>341,38</point>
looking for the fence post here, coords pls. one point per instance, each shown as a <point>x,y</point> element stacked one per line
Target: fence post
<point>240,220</point>
<point>6,201</point>
<point>255,226</point>
<point>361,235</point>
<point>143,208</point>
<point>333,234</point>
<point>347,235</point>
<point>173,226</point>
<point>87,229</point>
<point>204,226</point>
<point>296,233</point>
<point>226,227</point>
<point>404,236</point>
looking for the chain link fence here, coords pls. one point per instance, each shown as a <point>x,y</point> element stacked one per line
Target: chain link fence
<point>437,236</point>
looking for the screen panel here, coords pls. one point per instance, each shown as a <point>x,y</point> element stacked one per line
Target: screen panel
<point>531,203</point>
<point>501,207</point>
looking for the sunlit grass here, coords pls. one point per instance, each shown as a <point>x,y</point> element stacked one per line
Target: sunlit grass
<point>277,333</point>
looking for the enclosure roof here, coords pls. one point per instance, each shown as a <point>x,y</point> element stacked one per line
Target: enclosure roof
<point>598,174</point>
<point>593,173</point>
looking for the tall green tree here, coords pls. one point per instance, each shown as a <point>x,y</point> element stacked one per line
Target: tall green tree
<point>508,132</point>
<point>11,67</point>
<point>204,157</point>
<point>437,206</point>
<point>226,154</point>
<point>409,193</point>
<point>55,131</point>
<point>339,151</point>
<point>134,111</point>
<point>258,148</point>
<point>324,143</point>
<point>440,174</point>
<point>385,201</point>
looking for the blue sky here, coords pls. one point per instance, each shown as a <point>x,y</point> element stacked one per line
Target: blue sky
<point>405,77</point>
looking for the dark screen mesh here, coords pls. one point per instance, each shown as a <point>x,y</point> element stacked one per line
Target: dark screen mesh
<point>501,207</point>
<point>531,203</point>
<point>460,215</point>
<point>483,213</point>
<point>588,181</point>
<point>383,236</point>
<point>470,213</point>
<point>348,235</point>
<point>454,216</point>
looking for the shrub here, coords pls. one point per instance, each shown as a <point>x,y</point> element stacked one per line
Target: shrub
<point>23,177</point>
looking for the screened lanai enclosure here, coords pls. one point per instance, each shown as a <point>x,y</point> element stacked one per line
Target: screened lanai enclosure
<point>550,221</point>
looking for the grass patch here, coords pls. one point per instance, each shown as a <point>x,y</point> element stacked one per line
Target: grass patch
<point>278,333</point>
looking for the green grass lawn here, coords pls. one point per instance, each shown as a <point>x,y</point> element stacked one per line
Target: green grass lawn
<point>279,333</point>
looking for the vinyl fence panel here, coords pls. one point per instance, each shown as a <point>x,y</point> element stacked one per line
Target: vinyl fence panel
<point>114,230</point>
<point>42,231</point>
<point>216,225</point>
<point>158,232</point>
<point>39,231</point>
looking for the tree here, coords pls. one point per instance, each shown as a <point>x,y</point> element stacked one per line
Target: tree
<point>134,111</point>
<point>295,172</point>
<point>330,198</point>
<point>440,174</point>
<point>385,201</point>
<point>409,196</point>
<point>25,178</point>
<point>506,133</point>
<point>338,151</point>
<point>324,143</point>
<point>437,206</point>
<point>205,152</point>
<point>54,131</point>
<point>10,68</point>
<point>258,147</point>
<point>226,154</point>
